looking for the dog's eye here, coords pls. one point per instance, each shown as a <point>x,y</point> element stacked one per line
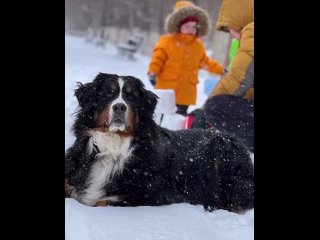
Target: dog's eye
<point>128,89</point>
<point>113,87</point>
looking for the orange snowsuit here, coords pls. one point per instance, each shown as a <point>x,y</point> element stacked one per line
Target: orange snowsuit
<point>176,61</point>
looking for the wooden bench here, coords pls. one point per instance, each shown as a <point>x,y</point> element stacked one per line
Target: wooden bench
<point>130,48</point>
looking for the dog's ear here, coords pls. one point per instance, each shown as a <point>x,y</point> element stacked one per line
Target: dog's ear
<point>84,94</point>
<point>101,77</point>
<point>149,102</point>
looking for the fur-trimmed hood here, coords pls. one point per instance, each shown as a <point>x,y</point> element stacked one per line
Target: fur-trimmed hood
<point>184,9</point>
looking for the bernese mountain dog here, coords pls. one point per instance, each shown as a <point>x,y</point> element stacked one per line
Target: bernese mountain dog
<point>123,158</point>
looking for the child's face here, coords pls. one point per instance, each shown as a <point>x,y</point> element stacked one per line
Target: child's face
<point>189,28</point>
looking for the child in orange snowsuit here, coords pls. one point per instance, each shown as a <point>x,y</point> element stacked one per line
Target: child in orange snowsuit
<point>178,55</point>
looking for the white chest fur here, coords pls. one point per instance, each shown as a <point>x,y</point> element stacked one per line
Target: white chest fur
<point>113,154</point>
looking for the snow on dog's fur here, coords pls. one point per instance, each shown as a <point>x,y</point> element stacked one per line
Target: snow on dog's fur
<point>122,156</point>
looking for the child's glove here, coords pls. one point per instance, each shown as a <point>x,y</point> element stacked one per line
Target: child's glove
<point>152,79</point>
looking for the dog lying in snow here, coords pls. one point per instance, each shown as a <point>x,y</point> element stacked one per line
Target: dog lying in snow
<point>123,158</point>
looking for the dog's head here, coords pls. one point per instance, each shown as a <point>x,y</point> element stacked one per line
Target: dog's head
<point>113,103</point>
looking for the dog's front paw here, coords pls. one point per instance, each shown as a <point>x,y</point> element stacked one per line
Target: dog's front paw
<point>67,189</point>
<point>102,203</point>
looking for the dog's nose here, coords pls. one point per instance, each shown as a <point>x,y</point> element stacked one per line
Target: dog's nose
<point>119,108</point>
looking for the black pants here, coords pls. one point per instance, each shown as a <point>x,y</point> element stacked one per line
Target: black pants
<point>182,109</point>
<point>233,115</point>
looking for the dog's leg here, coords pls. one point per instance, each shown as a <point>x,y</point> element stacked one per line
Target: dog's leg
<point>212,197</point>
<point>237,186</point>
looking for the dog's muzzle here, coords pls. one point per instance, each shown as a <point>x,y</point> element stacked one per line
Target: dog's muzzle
<point>118,120</point>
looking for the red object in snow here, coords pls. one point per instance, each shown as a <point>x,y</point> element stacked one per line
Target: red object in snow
<point>188,121</point>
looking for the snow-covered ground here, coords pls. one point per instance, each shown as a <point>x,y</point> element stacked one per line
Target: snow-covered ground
<point>173,222</point>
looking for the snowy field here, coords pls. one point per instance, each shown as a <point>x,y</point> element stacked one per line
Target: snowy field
<point>182,221</point>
